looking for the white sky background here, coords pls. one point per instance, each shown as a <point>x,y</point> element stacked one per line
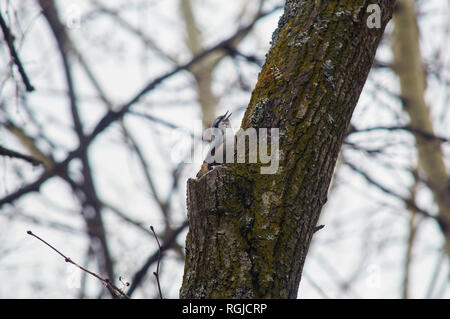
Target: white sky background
<point>365,232</point>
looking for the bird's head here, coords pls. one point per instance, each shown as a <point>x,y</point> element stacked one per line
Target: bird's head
<point>222,122</point>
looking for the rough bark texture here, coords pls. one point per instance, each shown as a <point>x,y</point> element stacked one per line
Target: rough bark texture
<point>410,70</point>
<point>249,233</point>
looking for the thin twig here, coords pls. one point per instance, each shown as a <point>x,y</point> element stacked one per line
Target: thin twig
<point>168,242</point>
<point>442,222</point>
<point>436,273</point>
<point>315,285</point>
<point>233,52</point>
<point>317,228</point>
<point>157,263</point>
<point>116,292</point>
<point>11,153</point>
<point>406,128</point>
<point>15,57</point>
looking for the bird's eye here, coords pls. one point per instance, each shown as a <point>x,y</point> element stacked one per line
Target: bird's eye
<point>217,121</point>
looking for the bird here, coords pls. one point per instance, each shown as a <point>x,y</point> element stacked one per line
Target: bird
<point>217,147</point>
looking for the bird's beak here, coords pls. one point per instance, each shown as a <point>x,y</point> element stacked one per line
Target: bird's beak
<point>224,116</point>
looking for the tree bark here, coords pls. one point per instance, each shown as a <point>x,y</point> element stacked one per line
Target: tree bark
<point>249,233</point>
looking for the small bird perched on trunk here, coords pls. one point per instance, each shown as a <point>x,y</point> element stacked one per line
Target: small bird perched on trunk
<point>217,149</point>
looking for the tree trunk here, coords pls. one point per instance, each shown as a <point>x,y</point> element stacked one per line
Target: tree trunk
<point>249,233</point>
<point>411,72</point>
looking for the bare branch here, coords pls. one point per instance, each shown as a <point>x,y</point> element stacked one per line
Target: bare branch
<point>443,224</point>
<point>407,128</point>
<point>62,39</point>
<point>115,292</point>
<point>111,116</point>
<point>10,153</point>
<point>157,263</point>
<point>167,243</point>
<point>9,38</point>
